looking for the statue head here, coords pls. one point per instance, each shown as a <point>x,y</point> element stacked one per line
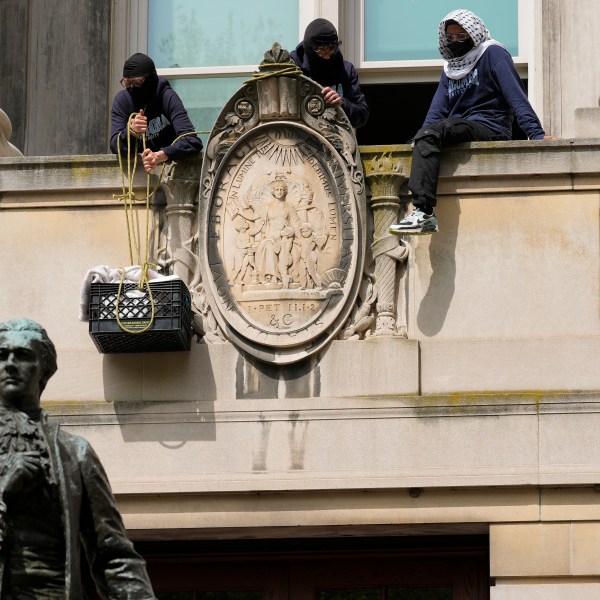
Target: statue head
<point>306,195</point>
<point>306,230</point>
<point>279,188</point>
<point>27,361</point>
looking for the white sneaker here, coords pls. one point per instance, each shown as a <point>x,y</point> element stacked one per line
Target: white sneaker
<point>417,223</point>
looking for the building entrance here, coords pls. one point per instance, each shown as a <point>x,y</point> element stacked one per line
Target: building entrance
<point>341,569</point>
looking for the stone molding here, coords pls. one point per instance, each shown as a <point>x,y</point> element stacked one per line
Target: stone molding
<point>511,162</point>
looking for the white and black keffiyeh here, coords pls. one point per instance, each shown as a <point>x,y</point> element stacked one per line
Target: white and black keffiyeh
<point>457,68</point>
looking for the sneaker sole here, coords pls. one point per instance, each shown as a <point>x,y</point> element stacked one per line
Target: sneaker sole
<point>412,231</point>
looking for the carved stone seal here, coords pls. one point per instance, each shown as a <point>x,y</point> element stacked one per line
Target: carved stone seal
<point>282,219</point>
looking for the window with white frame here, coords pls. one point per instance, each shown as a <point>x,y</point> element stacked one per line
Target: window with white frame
<point>397,40</point>
<point>394,45</point>
<point>407,30</point>
<point>208,48</point>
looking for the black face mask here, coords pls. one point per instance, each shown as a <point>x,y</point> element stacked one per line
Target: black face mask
<point>460,48</point>
<point>143,94</point>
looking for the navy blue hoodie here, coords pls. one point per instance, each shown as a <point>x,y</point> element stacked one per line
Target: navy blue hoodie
<point>491,94</point>
<point>167,120</point>
<point>344,82</point>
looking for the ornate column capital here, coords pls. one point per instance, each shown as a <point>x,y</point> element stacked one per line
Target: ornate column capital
<point>386,172</point>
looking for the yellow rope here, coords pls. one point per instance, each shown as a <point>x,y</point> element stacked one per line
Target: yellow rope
<point>165,163</point>
<point>127,195</point>
<point>287,69</point>
<point>143,280</point>
<point>133,232</point>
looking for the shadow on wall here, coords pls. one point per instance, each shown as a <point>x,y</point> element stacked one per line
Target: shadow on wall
<point>442,254</point>
<point>255,379</point>
<point>165,397</point>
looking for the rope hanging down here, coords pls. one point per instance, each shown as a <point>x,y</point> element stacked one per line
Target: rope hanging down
<point>133,230</point>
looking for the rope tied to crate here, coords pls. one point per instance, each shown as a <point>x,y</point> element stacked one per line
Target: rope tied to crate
<point>143,280</point>
<point>127,196</point>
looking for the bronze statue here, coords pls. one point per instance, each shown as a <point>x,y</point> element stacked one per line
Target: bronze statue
<point>54,492</point>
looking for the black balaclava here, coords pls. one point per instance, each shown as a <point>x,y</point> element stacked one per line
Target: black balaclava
<point>324,71</point>
<point>140,65</point>
<point>458,48</point>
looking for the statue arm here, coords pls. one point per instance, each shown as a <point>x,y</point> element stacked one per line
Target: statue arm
<point>118,570</point>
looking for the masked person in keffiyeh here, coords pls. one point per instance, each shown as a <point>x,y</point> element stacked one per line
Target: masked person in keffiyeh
<point>478,97</point>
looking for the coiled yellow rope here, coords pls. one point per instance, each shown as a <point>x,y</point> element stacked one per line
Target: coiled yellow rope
<point>133,233</point>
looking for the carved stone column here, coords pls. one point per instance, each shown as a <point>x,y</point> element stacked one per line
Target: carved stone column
<point>385,177</point>
<point>177,252</point>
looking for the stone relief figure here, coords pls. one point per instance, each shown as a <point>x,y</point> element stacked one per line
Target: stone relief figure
<point>233,128</point>
<point>54,492</point>
<point>204,324</point>
<point>312,215</point>
<point>308,274</point>
<point>281,222</point>
<point>360,326</point>
<point>245,244</point>
<point>278,224</point>
<point>338,133</point>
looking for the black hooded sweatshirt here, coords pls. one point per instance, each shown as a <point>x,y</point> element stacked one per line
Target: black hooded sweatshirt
<point>167,117</point>
<point>335,72</point>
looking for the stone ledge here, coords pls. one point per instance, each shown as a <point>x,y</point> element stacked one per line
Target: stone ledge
<point>396,367</point>
<point>135,412</point>
<point>381,444</point>
<point>314,510</point>
<point>36,175</point>
<point>41,174</point>
<point>486,159</point>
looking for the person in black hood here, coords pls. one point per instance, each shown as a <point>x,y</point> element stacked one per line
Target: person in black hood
<point>159,116</point>
<point>319,57</point>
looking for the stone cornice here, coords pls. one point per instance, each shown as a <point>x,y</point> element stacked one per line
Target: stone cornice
<point>54,181</point>
<point>503,166</point>
<point>492,166</point>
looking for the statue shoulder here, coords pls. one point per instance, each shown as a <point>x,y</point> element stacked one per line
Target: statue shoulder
<point>74,445</point>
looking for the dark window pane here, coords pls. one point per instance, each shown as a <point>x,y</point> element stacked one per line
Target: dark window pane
<point>420,593</point>
<point>241,595</point>
<point>350,594</point>
<point>174,595</point>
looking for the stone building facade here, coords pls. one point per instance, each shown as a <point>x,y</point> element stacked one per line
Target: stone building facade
<point>444,440</point>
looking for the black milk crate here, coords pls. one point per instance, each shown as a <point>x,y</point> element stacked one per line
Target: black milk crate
<point>171,329</point>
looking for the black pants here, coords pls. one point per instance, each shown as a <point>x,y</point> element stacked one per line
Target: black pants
<point>428,144</point>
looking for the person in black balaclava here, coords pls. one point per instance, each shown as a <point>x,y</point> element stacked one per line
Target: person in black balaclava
<point>478,97</point>
<point>159,116</point>
<point>140,65</point>
<point>319,57</point>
